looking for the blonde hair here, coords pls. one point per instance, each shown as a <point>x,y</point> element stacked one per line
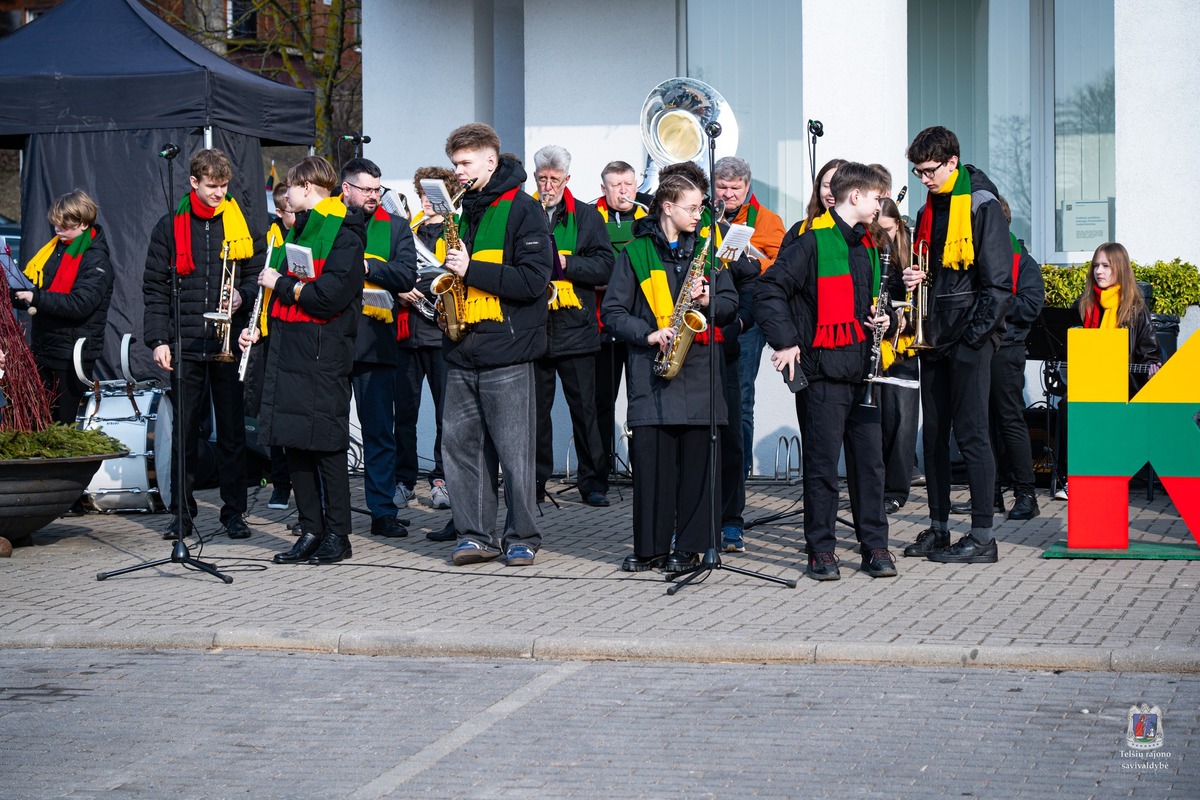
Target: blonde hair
<point>73,208</point>
<point>314,170</point>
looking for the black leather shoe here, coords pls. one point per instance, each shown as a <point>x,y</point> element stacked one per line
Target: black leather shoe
<point>823,567</point>
<point>641,564</point>
<point>598,499</point>
<point>891,505</point>
<point>879,564</point>
<point>388,528</point>
<point>237,528</point>
<point>333,549</point>
<point>967,551</point>
<point>965,508</point>
<point>304,547</point>
<point>681,561</point>
<point>446,534</point>
<point>1025,507</point>
<point>172,530</point>
<point>927,541</point>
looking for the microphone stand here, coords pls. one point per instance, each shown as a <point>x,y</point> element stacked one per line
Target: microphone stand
<point>179,551</point>
<point>712,557</point>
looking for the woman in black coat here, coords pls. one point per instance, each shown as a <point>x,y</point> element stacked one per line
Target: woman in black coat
<point>72,286</point>
<point>669,418</point>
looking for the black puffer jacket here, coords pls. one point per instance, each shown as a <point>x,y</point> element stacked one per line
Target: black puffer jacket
<point>520,281</point>
<point>306,385</point>
<point>61,319</point>
<point>1028,300</point>
<point>423,332</point>
<point>376,341</point>
<point>682,400</point>
<point>199,291</point>
<point>573,331</point>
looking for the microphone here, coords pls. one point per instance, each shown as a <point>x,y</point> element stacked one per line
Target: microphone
<point>357,138</point>
<point>713,129</point>
<point>816,128</point>
<point>168,151</point>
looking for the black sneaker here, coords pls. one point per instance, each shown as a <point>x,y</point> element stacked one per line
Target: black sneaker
<point>891,505</point>
<point>879,564</point>
<point>280,498</point>
<point>967,551</point>
<point>237,528</point>
<point>823,567</point>
<point>388,528</point>
<point>446,534</point>
<point>965,508</point>
<point>928,541</point>
<point>1025,507</point>
<point>172,530</point>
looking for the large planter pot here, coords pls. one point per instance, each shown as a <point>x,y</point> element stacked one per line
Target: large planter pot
<point>36,491</point>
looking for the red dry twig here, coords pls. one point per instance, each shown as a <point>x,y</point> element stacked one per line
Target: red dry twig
<point>28,406</point>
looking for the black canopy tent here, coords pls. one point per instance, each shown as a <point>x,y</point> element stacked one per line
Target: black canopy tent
<point>92,90</point>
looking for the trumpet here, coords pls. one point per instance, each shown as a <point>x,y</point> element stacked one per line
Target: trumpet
<point>920,303</point>
<point>254,312</point>
<point>450,290</point>
<point>223,316</point>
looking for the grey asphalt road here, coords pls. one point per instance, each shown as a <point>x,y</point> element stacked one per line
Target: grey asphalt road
<point>187,724</point>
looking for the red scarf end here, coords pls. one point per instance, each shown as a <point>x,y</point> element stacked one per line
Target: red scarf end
<point>830,337</point>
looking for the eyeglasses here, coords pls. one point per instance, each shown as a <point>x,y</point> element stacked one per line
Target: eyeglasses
<point>377,191</point>
<point>691,211</point>
<point>928,172</point>
<point>553,183</point>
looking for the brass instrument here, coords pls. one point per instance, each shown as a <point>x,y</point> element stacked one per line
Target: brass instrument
<point>450,290</point>
<point>920,304</point>
<point>674,122</point>
<point>254,314</point>
<point>223,316</point>
<point>686,319</point>
<point>875,374</point>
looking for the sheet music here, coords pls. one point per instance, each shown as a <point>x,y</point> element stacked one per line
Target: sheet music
<point>378,298</point>
<point>299,260</point>
<point>435,190</point>
<point>391,204</point>
<point>16,278</point>
<point>735,242</point>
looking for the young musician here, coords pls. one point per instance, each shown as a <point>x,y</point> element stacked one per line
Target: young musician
<point>72,286</point>
<point>831,276</point>
<point>669,452</point>
<point>583,260</point>
<point>819,201</point>
<point>306,388</point>
<point>282,222</point>
<point>193,239</point>
<point>963,229</point>
<point>503,259</point>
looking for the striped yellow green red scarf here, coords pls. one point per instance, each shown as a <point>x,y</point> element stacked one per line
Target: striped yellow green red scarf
<point>752,213</point>
<point>652,278</point>
<point>68,267</point>
<point>489,246</point>
<point>566,237</point>
<point>1105,309</point>
<point>319,232</point>
<point>959,252</point>
<point>618,233</point>
<point>836,323</point>
<point>379,247</point>
<point>237,234</point>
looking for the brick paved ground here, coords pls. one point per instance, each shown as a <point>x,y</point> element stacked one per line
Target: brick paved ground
<point>404,596</point>
<point>188,724</point>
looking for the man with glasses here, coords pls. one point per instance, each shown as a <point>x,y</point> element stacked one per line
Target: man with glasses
<point>964,230</point>
<point>583,260</point>
<point>390,266</point>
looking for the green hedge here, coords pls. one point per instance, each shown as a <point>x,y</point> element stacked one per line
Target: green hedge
<point>1176,284</point>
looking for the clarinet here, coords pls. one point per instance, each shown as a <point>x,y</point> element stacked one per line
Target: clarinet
<point>876,367</point>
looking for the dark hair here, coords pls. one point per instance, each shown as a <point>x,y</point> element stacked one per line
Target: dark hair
<point>885,172</point>
<point>933,144</point>
<point>670,189</point>
<point>616,168</point>
<point>212,164</point>
<point>901,247</point>
<point>474,136</point>
<point>314,170</point>
<point>280,189</point>
<point>851,176</point>
<point>357,166</point>
<point>1004,207</point>
<point>690,170</point>
<point>436,173</point>
<point>816,206</point>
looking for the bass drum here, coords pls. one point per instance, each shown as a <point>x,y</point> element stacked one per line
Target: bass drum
<point>142,420</point>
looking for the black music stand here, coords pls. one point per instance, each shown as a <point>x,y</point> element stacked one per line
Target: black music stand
<point>179,551</point>
<point>1047,342</point>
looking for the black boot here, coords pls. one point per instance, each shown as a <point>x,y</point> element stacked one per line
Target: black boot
<point>1026,507</point>
<point>304,547</point>
<point>333,549</point>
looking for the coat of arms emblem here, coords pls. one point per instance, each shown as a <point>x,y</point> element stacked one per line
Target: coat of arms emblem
<point>1145,728</point>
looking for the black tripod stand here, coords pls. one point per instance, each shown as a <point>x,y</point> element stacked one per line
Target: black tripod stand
<point>712,558</point>
<point>179,551</point>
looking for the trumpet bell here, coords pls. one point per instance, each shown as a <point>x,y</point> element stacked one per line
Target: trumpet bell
<point>217,316</point>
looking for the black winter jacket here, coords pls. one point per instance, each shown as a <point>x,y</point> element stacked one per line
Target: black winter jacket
<point>61,319</point>
<point>199,291</point>
<point>376,342</point>
<point>306,384</point>
<point>573,331</point>
<point>1028,301</point>
<point>520,281</point>
<point>745,274</point>
<point>969,305</point>
<point>785,305</point>
<point>682,400</point>
<point>423,332</point>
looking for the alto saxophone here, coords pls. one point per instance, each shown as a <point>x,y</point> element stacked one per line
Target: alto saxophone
<point>686,319</point>
<point>223,316</point>
<point>450,290</point>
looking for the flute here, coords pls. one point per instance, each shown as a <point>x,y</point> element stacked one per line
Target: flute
<point>254,312</point>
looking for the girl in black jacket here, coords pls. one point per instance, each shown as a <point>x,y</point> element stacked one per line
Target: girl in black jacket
<point>669,450</point>
<point>72,286</point>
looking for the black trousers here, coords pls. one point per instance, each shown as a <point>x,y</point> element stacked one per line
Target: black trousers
<point>66,392</point>
<point>671,492</point>
<point>229,410</point>
<point>954,395</point>
<point>610,362</point>
<point>578,375</point>
<point>831,417</point>
<point>733,474</point>
<point>318,476</point>
<point>900,411</point>
<point>1010,434</point>
<point>413,367</point>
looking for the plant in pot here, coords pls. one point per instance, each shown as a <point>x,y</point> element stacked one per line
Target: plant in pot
<point>44,467</point>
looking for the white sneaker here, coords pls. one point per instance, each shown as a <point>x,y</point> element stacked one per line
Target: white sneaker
<point>438,496</point>
<point>1061,494</point>
<point>402,496</point>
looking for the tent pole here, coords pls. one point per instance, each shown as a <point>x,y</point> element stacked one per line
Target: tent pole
<point>208,137</point>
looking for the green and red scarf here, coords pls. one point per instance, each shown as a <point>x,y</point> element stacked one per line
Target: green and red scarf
<point>404,310</point>
<point>68,267</point>
<point>959,252</point>
<point>566,237</point>
<point>319,233</point>
<point>836,324</point>
<point>237,234</point>
<point>379,247</point>
<point>489,247</point>
<point>1016,246</point>
<point>651,276</point>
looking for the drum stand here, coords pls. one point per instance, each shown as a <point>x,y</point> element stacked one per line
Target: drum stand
<point>179,551</point>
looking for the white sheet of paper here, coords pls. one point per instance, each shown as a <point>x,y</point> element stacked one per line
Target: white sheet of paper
<point>435,190</point>
<point>735,242</point>
<point>299,260</point>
